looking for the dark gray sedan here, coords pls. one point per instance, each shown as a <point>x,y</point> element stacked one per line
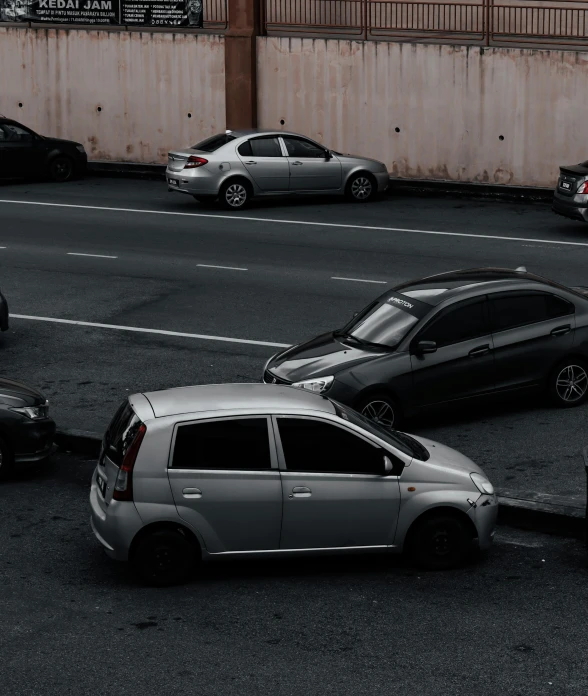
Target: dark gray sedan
<point>237,166</point>
<point>454,337</point>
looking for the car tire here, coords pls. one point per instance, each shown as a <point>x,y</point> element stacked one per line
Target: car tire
<point>61,169</point>
<point>568,383</point>
<point>439,542</point>
<point>205,199</point>
<point>361,188</point>
<point>381,409</point>
<point>6,461</point>
<point>164,557</point>
<point>235,194</point>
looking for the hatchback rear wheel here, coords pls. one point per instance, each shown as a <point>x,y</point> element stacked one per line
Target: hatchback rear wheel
<point>440,543</point>
<point>164,557</point>
<point>235,194</point>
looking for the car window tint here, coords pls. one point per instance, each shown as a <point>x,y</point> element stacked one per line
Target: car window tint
<point>265,147</point>
<point>558,307</point>
<point>245,150</point>
<point>310,445</point>
<point>456,324</point>
<point>242,443</point>
<point>299,147</point>
<point>121,432</point>
<point>520,309</point>
<point>214,143</point>
<point>16,133</point>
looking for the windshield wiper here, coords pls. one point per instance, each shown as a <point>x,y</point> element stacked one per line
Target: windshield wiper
<point>361,341</point>
<point>420,451</point>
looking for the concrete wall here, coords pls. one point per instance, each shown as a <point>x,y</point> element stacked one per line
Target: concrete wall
<point>451,104</point>
<point>145,83</point>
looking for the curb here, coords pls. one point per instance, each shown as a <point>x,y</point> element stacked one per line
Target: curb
<point>416,187</point>
<point>539,512</point>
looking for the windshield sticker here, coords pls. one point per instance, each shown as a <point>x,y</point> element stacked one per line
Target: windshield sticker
<point>403,303</point>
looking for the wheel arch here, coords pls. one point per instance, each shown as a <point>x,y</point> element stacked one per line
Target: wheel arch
<point>238,176</point>
<point>437,511</point>
<point>360,170</point>
<point>166,526</point>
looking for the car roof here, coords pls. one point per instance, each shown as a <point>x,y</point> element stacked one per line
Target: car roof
<point>271,398</point>
<point>245,132</point>
<point>435,289</point>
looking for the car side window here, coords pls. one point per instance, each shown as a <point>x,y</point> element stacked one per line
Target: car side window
<point>315,446</point>
<point>245,150</point>
<point>264,147</point>
<point>16,133</point>
<point>463,322</point>
<point>240,444</point>
<point>300,147</point>
<point>511,310</point>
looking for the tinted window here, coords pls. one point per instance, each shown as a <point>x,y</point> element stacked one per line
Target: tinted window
<point>245,149</point>
<point>299,147</point>
<point>121,433</point>
<point>214,143</point>
<point>265,147</point>
<point>231,444</point>
<point>455,325</point>
<point>513,310</point>
<point>13,133</point>
<point>310,445</point>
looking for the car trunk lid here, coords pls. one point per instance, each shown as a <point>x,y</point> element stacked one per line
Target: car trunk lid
<point>176,160</point>
<point>571,177</point>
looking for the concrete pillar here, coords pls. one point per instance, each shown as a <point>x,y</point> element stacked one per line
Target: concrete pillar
<point>241,63</point>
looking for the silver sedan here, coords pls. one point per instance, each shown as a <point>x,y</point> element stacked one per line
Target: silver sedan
<point>239,165</point>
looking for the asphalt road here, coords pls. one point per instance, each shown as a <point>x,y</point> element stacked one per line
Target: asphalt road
<point>276,274</point>
<point>74,622</point>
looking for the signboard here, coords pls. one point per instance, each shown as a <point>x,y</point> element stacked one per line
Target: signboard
<point>145,13</point>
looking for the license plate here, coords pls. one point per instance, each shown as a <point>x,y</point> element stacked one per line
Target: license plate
<point>566,185</point>
<point>174,182</point>
<point>101,483</point>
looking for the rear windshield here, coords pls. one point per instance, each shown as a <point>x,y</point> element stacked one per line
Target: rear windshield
<point>121,432</point>
<point>212,144</point>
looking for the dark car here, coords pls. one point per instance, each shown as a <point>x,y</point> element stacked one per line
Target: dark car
<point>3,313</point>
<point>571,193</point>
<point>25,154</point>
<point>26,431</point>
<point>449,338</point>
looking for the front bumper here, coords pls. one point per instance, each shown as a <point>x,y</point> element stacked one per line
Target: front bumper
<point>32,440</point>
<point>570,209</point>
<point>484,517</point>
<point>383,179</point>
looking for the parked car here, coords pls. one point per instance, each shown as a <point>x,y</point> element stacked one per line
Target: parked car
<point>26,154</point>
<point>449,338</point>
<point>26,430</point>
<point>571,193</point>
<point>237,166</point>
<point>249,470</point>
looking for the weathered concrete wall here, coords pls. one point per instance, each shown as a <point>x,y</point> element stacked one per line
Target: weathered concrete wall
<point>450,104</point>
<point>127,95</point>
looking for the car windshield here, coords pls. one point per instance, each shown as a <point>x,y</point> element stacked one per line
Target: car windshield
<point>381,324</point>
<point>401,441</point>
<point>214,143</point>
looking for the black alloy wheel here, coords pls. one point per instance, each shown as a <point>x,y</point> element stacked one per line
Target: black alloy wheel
<point>61,169</point>
<point>380,409</point>
<point>440,542</point>
<point>568,383</point>
<point>164,557</point>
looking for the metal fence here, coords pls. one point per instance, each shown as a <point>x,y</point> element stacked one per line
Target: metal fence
<point>484,22</point>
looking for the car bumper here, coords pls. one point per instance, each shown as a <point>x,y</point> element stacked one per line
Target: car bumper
<point>32,440</point>
<point>115,525</point>
<point>195,182</point>
<point>570,209</point>
<point>383,179</point>
<point>484,517</point>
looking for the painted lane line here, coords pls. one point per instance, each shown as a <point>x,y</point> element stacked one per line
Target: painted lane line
<point>226,268</point>
<point>359,280</point>
<point>159,332</point>
<point>334,225</point>
<point>3,247</point>
<point>94,256</point>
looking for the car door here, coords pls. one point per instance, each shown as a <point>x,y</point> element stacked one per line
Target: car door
<point>462,365</point>
<point>264,161</point>
<point>226,484</point>
<point>312,168</point>
<point>22,151</point>
<point>334,492</point>
<point>532,331</point>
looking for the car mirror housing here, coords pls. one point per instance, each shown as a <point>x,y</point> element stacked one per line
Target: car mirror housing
<point>424,347</point>
<point>328,155</point>
<point>387,466</point>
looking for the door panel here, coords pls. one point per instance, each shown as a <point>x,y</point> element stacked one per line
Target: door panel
<point>22,152</point>
<point>310,170</point>
<point>265,163</point>
<point>226,484</point>
<point>331,509</point>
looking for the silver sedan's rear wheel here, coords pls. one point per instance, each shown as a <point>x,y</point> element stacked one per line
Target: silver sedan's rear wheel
<point>569,383</point>
<point>361,188</point>
<point>235,194</point>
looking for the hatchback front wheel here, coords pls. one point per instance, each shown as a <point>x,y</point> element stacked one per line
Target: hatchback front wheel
<point>439,543</point>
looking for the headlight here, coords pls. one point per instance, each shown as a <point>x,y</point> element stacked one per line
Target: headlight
<point>482,484</point>
<point>33,412</point>
<point>80,148</point>
<point>318,385</point>
<point>275,355</point>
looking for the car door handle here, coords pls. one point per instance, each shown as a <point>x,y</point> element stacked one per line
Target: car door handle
<point>250,162</point>
<point>480,350</point>
<point>192,493</point>
<point>297,163</point>
<point>561,330</point>
<point>300,492</point>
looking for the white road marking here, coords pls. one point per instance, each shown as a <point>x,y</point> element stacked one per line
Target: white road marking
<point>96,256</point>
<point>335,225</point>
<point>159,332</point>
<point>526,544</point>
<point>359,280</point>
<point>3,247</point>
<point>226,268</point>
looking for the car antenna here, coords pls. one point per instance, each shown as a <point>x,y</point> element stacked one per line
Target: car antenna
<point>521,269</point>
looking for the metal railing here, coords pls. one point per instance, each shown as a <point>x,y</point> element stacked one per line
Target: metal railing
<point>485,22</point>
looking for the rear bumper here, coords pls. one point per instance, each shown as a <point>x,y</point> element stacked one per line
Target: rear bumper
<point>195,182</point>
<point>570,209</point>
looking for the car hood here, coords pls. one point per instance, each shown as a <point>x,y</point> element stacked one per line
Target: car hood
<point>324,355</point>
<point>448,458</point>
<point>18,394</point>
<point>61,141</point>
<point>355,158</point>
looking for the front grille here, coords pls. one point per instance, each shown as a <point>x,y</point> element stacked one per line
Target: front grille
<point>268,378</point>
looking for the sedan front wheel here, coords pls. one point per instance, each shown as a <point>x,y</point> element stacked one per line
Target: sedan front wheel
<point>380,409</point>
<point>361,188</point>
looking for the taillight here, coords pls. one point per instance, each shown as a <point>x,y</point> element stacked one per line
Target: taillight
<point>123,488</point>
<point>193,162</point>
<point>583,188</point>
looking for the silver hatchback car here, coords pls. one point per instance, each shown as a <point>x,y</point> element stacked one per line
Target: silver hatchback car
<point>247,470</point>
<point>238,165</point>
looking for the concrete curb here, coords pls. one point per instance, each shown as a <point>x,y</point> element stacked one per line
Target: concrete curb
<point>540,512</point>
<point>416,187</point>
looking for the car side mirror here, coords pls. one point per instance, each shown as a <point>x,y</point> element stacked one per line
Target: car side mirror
<point>387,466</point>
<point>328,155</point>
<point>424,347</point>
